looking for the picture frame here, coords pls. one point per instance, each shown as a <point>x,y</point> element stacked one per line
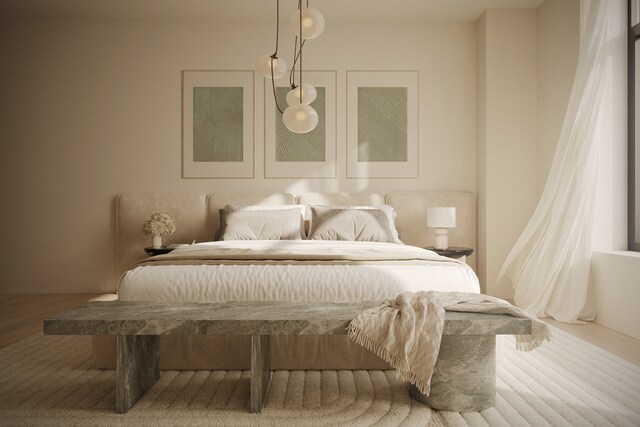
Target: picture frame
<point>311,155</point>
<point>218,120</point>
<point>382,124</point>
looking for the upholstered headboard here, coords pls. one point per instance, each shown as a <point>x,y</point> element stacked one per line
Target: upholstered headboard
<point>189,213</point>
<point>197,216</point>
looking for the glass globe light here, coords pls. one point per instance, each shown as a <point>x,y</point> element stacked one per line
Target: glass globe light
<point>300,118</point>
<point>309,94</point>
<point>312,23</point>
<point>263,66</point>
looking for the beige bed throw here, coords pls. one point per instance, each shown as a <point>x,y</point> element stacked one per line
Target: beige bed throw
<point>297,251</point>
<point>406,332</point>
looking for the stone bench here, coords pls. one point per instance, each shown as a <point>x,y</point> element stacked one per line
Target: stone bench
<point>463,380</point>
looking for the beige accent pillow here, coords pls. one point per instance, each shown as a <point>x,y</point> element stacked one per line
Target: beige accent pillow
<point>261,223</point>
<point>363,224</point>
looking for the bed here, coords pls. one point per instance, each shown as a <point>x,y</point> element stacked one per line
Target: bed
<point>267,270</point>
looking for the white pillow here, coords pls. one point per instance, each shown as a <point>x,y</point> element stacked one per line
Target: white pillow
<point>353,223</point>
<point>261,222</point>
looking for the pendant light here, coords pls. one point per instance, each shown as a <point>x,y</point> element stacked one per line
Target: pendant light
<point>312,23</point>
<point>299,116</point>
<point>270,66</point>
<point>309,94</point>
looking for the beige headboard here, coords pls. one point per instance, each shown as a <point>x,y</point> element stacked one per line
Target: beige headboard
<point>197,216</point>
<point>189,212</point>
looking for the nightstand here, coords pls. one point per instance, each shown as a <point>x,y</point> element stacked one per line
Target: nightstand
<point>151,251</point>
<point>453,252</point>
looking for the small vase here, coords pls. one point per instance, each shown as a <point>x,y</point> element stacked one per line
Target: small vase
<point>157,242</point>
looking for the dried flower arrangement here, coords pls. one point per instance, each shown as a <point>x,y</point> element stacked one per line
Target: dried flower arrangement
<point>158,224</point>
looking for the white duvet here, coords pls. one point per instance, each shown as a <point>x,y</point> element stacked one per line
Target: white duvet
<point>298,280</point>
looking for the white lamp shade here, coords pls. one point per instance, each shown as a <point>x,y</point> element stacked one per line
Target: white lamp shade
<point>263,67</point>
<point>309,94</point>
<point>441,217</point>
<point>312,23</point>
<point>300,118</point>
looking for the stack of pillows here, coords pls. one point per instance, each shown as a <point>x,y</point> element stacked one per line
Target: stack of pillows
<point>287,222</point>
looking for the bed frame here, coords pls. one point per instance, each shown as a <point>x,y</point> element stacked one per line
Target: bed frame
<point>197,217</point>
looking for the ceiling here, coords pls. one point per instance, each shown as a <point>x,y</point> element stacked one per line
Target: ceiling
<point>254,10</point>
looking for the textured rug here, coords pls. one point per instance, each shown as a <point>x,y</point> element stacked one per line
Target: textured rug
<point>52,381</point>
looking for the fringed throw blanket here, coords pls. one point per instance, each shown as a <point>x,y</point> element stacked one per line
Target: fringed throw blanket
<point>406,332</point>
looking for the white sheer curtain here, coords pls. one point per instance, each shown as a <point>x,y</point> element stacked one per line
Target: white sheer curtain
<point>549,264</point>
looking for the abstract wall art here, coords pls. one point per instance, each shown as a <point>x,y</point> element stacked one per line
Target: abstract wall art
<point>382,124</point>
<point>217,124</point>
<point>310,155</point>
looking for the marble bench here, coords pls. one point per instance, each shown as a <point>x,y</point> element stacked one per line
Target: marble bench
<point>463,380</point>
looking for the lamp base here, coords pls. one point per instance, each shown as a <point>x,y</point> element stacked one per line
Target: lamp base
<point>442,238</point>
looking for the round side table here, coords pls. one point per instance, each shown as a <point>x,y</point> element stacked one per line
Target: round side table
<point>151,251</point>
<point>452,251</point>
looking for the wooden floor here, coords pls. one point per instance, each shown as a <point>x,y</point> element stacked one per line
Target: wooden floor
<point>22,314</point>
<point>624,346</point>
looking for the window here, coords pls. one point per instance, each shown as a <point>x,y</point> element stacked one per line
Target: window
<point>634,124</point>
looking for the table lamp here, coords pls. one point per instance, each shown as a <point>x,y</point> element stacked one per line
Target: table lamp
<point>441,219</point>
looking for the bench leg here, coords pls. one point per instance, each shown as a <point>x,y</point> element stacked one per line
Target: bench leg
<point>260,370</point>
<point>137,368</point>
<point>464,378</point>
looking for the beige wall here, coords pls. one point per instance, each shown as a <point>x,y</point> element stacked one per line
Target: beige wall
<point>481,124</point>
<point>526,65</point>
<point>508,142</point>
<point>614,278</point>
<point>92,109</point>
<point>558,50</point>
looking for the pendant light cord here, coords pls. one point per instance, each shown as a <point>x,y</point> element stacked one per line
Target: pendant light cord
<point>297,50</point>
<point>275,55</point>
<point>297,55</point>
<point>301,44</point>
<point>273,86</point>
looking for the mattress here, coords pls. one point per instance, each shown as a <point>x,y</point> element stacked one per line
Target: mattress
<point>293,270</point>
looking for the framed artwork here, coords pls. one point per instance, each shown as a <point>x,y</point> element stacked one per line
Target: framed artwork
<point>310,155</point>
<point>217,124</point>
<point>382,124</point>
